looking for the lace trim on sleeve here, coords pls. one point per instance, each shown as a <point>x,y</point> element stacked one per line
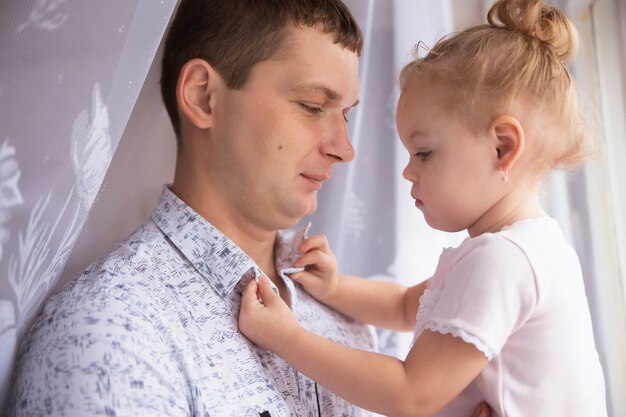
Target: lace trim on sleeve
<point>464,335</point>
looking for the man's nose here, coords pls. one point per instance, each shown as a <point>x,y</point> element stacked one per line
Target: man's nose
<point>338,144</point>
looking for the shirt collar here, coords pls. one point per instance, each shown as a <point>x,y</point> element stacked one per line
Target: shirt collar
<point>217,258</point>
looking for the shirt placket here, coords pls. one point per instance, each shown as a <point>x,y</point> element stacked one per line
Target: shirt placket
<point>307,389</point>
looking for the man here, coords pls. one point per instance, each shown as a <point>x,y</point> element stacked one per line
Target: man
<point>258,92</point>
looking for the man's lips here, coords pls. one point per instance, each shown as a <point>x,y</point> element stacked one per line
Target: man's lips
<point>315,179</point>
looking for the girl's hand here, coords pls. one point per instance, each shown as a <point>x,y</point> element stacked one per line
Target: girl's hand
<point>320,276</point>
<point>264,317</point>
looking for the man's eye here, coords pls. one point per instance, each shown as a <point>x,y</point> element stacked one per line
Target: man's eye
<point>423,155</point>
<point>311,109</point>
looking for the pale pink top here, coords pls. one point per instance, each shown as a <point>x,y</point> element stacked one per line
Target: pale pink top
<point>518,296</point>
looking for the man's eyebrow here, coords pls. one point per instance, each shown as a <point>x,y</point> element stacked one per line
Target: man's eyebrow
<point>328,92</point>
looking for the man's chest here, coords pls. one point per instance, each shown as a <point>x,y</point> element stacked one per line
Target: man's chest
<point>227,375</point>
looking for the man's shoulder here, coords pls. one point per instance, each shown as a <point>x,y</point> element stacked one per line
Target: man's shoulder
<point>103,322</point>
<point>138,253</point>
<point>131,265</point>
<point>105,294</point>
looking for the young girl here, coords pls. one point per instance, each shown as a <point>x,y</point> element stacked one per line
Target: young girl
<point>485,116</point>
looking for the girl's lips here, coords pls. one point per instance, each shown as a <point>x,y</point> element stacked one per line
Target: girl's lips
<point>418,202</point>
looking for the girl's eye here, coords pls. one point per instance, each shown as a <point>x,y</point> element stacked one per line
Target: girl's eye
<point>311,109</point>
<point>423,155</point>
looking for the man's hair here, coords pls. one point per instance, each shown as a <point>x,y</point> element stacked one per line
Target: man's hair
<point>235,35</point>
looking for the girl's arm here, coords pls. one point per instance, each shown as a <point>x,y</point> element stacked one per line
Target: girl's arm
<point>383,304</point>
<point>437,369</point>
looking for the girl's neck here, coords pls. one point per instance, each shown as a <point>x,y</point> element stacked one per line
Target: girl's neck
<point>512,207</point>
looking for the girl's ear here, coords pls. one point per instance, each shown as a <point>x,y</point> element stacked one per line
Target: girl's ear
<point>510,140</point>
<point>196,91</point>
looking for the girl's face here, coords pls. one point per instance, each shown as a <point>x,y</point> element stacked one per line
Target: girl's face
<point>453,170</point>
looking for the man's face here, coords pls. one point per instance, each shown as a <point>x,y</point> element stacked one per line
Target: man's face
<point>279,136</point>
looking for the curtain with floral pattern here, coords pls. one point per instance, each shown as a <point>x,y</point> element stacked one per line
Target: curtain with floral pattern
<point>70,74</point>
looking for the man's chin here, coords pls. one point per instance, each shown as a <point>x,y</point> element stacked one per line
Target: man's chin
<point>292,217</point>
<point>311,207</point>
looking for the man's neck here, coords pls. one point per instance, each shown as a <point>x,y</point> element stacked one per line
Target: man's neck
<point>255,241</point>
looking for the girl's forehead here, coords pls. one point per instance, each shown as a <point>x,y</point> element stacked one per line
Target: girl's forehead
<point>417,86</point>
<point>420,98</point>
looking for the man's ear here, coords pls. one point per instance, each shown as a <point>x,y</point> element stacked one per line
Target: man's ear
<point>195,92</point>
<point>510,140</point>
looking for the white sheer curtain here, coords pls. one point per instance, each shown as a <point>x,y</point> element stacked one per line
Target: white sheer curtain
<point>598,192</point>
<point>70,75</point>
<point>79,78</point>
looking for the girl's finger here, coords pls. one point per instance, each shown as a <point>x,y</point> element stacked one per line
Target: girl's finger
<point>268,296</point>
<point>314,257</point>
<point>306,279</point>
<point>315,242</point>
<point>249,296</point>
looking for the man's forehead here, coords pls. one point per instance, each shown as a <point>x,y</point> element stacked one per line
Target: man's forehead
<point>317,88</point>
<point>309,61</point>
<point>321,89</point>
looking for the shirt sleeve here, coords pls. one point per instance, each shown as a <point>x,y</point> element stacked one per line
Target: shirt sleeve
<point>99,357</point>
<point>487,293</point>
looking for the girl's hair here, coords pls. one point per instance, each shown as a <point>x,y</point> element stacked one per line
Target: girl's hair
<point>519,57</point>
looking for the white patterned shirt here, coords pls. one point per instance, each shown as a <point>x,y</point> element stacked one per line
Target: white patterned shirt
<point>151,330</point>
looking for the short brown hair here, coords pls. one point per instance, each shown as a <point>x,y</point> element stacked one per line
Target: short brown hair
<point>235,35</point>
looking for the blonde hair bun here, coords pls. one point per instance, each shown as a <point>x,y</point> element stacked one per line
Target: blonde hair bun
<point>539,20</point>
<point>517,60</point>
